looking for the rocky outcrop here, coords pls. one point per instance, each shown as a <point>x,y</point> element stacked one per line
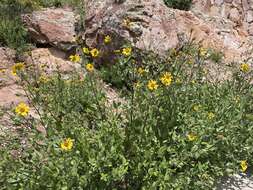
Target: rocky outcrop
<point>51,60</point>
<point>42,59</point>
<point>52,26</point>
<point>7,57</point>
<point>239,12</point>
<point>10,93</point>
<point>231,19</point>
<point>151,25</point>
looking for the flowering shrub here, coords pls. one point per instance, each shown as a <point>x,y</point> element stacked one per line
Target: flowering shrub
<point>176,129</point>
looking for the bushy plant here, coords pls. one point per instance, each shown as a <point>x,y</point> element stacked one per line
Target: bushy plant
<point>59,3</point>
<point>174,130</point>
<point>13,34</point>
<point>12,31</point>
<point>179,4</point>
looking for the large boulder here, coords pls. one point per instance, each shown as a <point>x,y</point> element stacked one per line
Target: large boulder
<point>151,25</point>
<point>52,26</point>
<point>233,19</point>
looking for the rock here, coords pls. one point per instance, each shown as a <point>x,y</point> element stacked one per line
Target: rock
<point>214,11</point>
<point>234,15</point>
<point>219,2</point>
<point>7,57</point>
<point>52,26</point>
<point>249,16</point>
<point>250,29</point>
<point>159,27</point>
<point>50,60</point>
<point>245,5</point>
<point>225,11</point>
<point>11,95</point>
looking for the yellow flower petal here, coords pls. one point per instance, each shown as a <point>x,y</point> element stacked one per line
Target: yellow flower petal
<point>127,51</point>
<point>244,165</point>
<point>107,39</point>
<point>166,79</point>
<point>67,144</point>
<point>86,50</point>
<point>75,58</point>
<point>94,52</point>
<point>17,67</point>
<point>245,67</point>
<point>191,137</point>
<point>22,109</point>
<point>152,85</point>
<point>89,67</point>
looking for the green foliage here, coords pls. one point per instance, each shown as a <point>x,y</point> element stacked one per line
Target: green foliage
<point>59,3</point>
<point>13,34</point>
<point>185,133</point>
<point>12,31</point>
<point>216,56</point>
<point>179,4</point>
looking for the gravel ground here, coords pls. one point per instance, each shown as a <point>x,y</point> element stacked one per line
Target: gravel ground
<point>237,182</point>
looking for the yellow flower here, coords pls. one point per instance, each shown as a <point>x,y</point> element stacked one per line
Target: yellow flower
<point>68,81</point>
<point>75,58</point>
<point>43,66</point>
<point>94,52</point>
<point>107,39</point>
<point>244,165</point>
<point>245,67</point>
<point>190,62</point>
<point>166,79</point>
<point>137,84</point>
<point>117,51</point>
<point>22,109</point>
<point>140,70</point>
<point>86,50</point>
<point>89,67</point>
<point>127,22</point>
<point>210,115</point>
<point>17,67</point>
<point>237,99</point>
<point>173,52</point>
<point>127,51</point>
<point>43,79</point>
<point>152,85</point>
<point>196,107</point>
<point>202,52</point>
<point>2,70</point>
<point>191,137</point>
<point>178,81</point>
<point>67,144</point>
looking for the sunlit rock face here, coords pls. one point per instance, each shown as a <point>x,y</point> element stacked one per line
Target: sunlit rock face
<point>51,26</point>
<point>151,25</point>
